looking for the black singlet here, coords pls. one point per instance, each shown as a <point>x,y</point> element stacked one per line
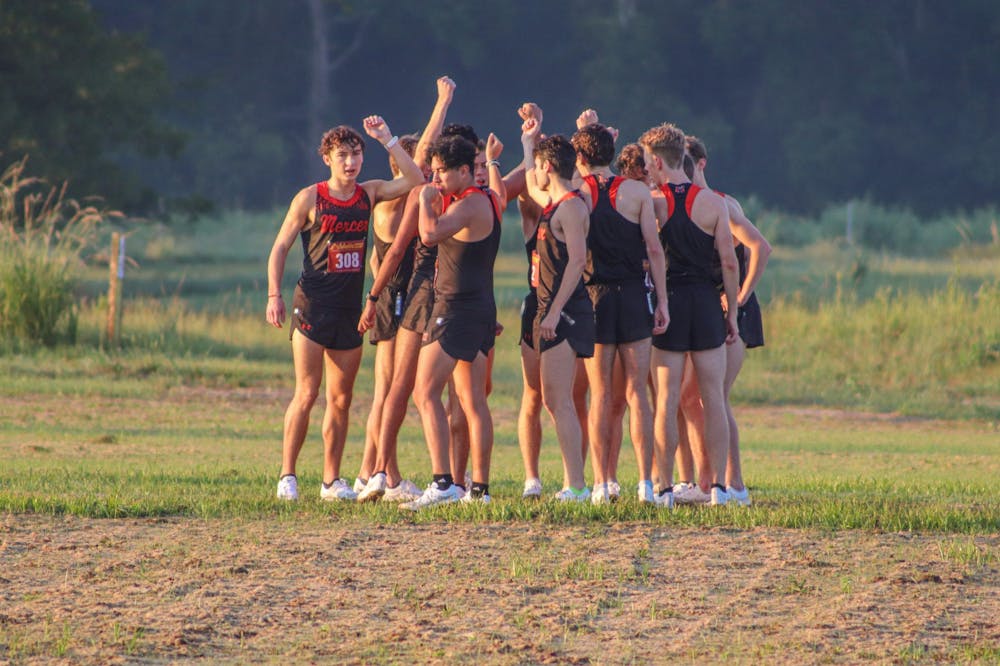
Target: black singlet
<point>548,262</point>
<point>615,247</point>
<point>464,280</point>
<point>334,248</point>
<point>690,251</point>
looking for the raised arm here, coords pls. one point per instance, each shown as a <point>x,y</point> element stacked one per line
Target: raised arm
<point>446,90</point>
<point>760,250</point>
<point>494,147</point>
<point>385,190</point>
<point>295,220</point>
<point>529,134</point>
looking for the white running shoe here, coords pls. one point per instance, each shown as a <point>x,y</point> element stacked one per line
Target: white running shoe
<point>741,497</point>
<point>406,491</point>
<point>644,492</point>
<point>682,486</point>
<point>374,489</point>
<point>431,496</point>
<point>665,500</point>
<point>288,488</point>
<point>468,498</point>
<point>338,490</point>
<point>719,497</point>
<point>614,491</point>
<point>532,489</point>
<point>567,495</point>
<point>600,494</point>
<point>691,494</point>
<point>359,484</point>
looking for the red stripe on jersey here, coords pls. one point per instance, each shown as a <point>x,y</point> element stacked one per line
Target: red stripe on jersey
<point>613,190</point>
<point>553,204</point>
<point>693,193</point>
<point>592,184</point>
<point>668,194</point>
<point>323,190</point>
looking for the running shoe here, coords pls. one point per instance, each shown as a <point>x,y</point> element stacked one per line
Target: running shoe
<point>691,494</point>
<point>338,490</point>
<point>569,495</point>
<point>614,491</point>
<point>431,496</point>
<point>741,497</point>
<point>406,491</point>
<point>664,500</point>
<point>288,488</point>
<point>359,484</point>
<point>600,494</point>
<point>644,492</point>
<point>374,489</point>
<point>532,489</point>
<point>719,497</point>
<point>469,498</point>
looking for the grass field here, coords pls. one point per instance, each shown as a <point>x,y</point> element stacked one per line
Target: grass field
<point>138,522</point>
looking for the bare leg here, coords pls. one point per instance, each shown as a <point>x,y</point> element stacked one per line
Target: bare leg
<point>710,365</point>
<point>397,399</point>
<point>599,370</point>
<point>619,402</point>
<point>699,467</point>
<point>580,388</point>
<point>307,357</point>
<point>668,368</point>
<point>635,361</point>
<point>529,427</point>
<point>434,367</point>
<point>735,354</point>
<point>470,390</point>
<point>384,357</point>
<point>458,435</point>
<point>341,368</point>
<point>557,365</point>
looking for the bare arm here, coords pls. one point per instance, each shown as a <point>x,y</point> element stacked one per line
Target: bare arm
<point>730,268</point>
<point>529,133</point>
<point>494,147</point>
<point>760,250</point>
<point>393,257</point>
<point>295,220</point>
<point>513,182</point>
<point>657,262</point>
<point>384,190</point>
<point>446,90</point>
<point>435,226</point>
<point>574,219</point>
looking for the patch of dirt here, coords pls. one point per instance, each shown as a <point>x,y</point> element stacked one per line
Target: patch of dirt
<point>115,591</point>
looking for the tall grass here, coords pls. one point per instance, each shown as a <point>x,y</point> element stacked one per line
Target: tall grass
<point>44,236</point>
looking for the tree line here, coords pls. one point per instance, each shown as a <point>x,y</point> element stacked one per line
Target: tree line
<point>190,104</point>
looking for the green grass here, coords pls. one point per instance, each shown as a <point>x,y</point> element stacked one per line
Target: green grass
<point>185,418</point>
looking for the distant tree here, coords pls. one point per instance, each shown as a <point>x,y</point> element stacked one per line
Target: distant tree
<point>74,97</point>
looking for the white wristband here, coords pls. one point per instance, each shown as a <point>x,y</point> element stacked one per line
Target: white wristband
<point>391,142</point>
<point>495,163</point>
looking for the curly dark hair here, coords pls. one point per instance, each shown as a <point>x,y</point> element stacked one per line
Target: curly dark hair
<point>341,135</point>
<point>594,144</point>
<point>631,163</point>
<point>454,151</point>
<point>464,131</point>
<point>557,151</point>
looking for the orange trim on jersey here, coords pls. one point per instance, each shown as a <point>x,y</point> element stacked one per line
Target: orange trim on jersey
<point>613,190</point>
<point>569,195</point>
<point>668,194</point>
<point>591,182</point>
<point>323,190</point>
<point>692,194</point>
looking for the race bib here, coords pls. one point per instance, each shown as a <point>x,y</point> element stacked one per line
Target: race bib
<point>345,256</point>
<point>535,262</point>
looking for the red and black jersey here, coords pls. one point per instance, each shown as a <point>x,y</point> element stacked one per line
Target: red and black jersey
<point>690,251</point>
<point>404,271</point>
<point>615,247</point>
<point>548,263</point>
<point>334,248</point>
<point>464,280</point>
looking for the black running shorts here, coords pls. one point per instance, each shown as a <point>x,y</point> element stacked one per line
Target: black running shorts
<point>750,323</point>
<point>622,312</point>
<point>576,325</point>
<point>462,335</point>
<point>696,320</point>
<point>528,309</point>
<point>388,312</point>
<point>419,303</point>
<point>331,327</point>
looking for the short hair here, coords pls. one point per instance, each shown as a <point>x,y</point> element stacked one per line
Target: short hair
<point>667,142</point>
<point>595,144</point>
<point>559,152</point>
<point>409,144</point>
<point>454,151</point>
<point>631,163</point>
<point>464,131</point>
<point>696,147</point>
<point>341,135</point>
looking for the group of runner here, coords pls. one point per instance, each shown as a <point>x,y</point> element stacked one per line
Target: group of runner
<point>639,282</point>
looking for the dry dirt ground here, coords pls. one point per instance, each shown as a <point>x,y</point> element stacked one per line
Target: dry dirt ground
<point>168,590</point>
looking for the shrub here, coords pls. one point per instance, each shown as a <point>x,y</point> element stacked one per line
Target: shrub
<point>44,237</point>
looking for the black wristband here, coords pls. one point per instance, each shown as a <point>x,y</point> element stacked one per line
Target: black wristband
<point>372,297</point>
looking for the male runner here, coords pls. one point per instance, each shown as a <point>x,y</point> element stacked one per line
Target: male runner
<point>748,239</point>
<point>564,324</point>
<point>392,266</point>
<point>622,235</point>
<point>332,219</point>
<point>697,227</point>
<point>462,328</point>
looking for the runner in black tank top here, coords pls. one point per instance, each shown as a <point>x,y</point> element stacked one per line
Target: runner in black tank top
<point>328,294</point>
<point>463,320</point>
<point>548,266</point>
<point>696,318</point>
<point>389,307</point>
<point>614,277</point>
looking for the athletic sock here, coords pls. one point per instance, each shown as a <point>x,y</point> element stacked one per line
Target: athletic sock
<point>480,489</point>
<point>665,490</point>
<point>442,481</point>
<point>719,486</point>
<point>285,475</point>
<point>577,492</point>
